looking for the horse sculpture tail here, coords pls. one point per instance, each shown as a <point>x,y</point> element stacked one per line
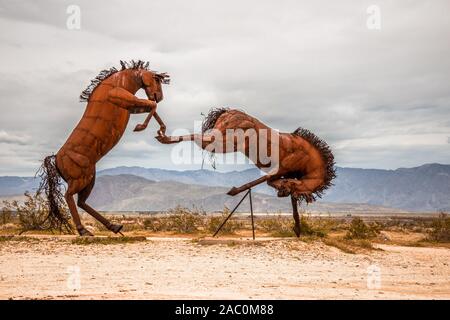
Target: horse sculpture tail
<point>51,185</point>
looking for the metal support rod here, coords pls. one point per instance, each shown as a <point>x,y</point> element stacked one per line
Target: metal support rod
<point>237,206</point>
<point>251,212</point>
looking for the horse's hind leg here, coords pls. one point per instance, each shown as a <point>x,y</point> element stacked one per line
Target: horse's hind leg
<point>294,202</point>
<point>75,216</point>
<point>82,197</point>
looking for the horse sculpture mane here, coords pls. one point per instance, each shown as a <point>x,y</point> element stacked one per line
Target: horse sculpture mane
<point>210,120</point>
<point>327,156</point>
<point>106,73</point>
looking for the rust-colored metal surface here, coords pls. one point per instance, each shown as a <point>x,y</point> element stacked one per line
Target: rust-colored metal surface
<point>302,169</point>
<point>110,100</point>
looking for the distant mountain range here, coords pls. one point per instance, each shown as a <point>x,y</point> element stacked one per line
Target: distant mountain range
<point>424,188</point>
<point>132,193</point>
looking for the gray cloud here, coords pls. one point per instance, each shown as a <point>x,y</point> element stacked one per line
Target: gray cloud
<point>9,138</point>
<point>380,98</point>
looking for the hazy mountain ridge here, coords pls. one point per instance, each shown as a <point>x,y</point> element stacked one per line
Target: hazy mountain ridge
<point>424,188</point>
<point>12,185</point>
<point>201,177</point>
<point>146,195</point>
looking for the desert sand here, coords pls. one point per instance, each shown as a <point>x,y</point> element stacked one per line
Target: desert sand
<point>182,268</point>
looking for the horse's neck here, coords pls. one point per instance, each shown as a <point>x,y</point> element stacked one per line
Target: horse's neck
<point>126,79</point>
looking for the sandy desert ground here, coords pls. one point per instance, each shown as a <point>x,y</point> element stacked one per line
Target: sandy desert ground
<point>180,268</point>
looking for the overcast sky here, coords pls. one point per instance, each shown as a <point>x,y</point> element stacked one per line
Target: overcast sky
<point>380,98</point>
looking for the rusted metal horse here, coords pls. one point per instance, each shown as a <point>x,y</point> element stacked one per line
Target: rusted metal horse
<point>111,99</point>
<point>303,167</point>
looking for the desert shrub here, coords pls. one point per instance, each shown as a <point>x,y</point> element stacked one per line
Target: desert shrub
<point>214,222</point>
<point>6,213</point>
<point>360,230</point>
<point>417,224</point>
<point>17,238</point>
<point>33,213</point>
<point>130,223</point>
<point>349,246</point>
<point>106,240</point>
<point>308,227</point>
<point>283,226</point>
<point>278,226</point>
<point>440,229</point>
<point>183,220</point>
<point>155,224</point>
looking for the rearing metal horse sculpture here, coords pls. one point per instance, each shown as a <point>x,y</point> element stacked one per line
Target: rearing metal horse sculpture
<point>111,99</point>
<point>303,169</point>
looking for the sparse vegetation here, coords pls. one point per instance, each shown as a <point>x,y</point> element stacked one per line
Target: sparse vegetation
<point>360,230</point>
<point>310,228</point>
<point>278,226</point>
<point>213,223</point>
<point>106,240</point>
<point>349,246</point>
<point>17,238</point>
<point>155,224</point>
<point>32,213</point>
<point>440,229</point>
<point>349,234</point>
<point>183,220</point>
<point>179,219</point>
<point>282,226</point>
<point>6,214</point>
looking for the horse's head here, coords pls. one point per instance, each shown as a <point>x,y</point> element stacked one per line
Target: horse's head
<point>144,78</point>
<point>151,83</point>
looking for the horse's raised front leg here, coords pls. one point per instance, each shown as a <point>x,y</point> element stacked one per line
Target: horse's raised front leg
<point>126,100</point>
<point>143,126</point>
<point>203,140</point>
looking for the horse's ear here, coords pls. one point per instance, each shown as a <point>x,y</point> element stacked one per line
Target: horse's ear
<point>122,63</point>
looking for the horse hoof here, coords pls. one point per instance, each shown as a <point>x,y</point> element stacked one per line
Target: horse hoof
<point>282,193</point>
<point>297,230</point>
<point>83,232</point>
<point>115,227</point>
<point>139,127</point>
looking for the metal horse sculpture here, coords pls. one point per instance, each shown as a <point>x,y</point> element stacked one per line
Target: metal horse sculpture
<point>111,99</point>
<point>305,165</point>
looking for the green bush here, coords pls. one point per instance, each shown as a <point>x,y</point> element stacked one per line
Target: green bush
<point>183,220</point>
<point>440,229</point>
<point>360,230</point>
<point>214,222</point>
<point>278,226</point>
<point>310,228</point>
<point>5,214</point>
<point>155,224</point>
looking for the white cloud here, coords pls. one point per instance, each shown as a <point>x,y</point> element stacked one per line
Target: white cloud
<point>9,138</point>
